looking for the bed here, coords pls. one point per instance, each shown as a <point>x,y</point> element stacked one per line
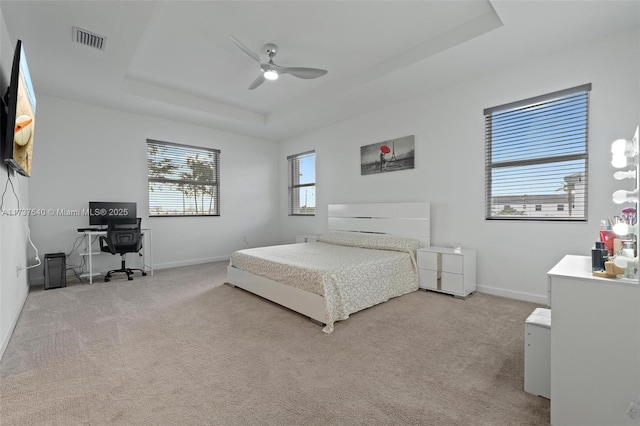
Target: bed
<point>367,257</point>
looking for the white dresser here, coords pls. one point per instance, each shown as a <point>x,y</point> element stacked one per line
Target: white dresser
<point>445,270</point>
<point>595,345</point>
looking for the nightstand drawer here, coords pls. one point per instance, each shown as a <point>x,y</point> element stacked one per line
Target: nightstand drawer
<point>428,279</point>
<point>452,263</point>
<point>427,260</point>
<point>452,283</point>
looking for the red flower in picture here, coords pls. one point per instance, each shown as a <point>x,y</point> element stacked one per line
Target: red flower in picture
<point>385,149</point>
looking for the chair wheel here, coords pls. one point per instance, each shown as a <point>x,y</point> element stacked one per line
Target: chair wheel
<point>106,280</point>
<point>144,274</point>
<point>130,278</point>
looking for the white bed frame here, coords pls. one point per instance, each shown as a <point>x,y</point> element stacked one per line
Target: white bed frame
<point>398,219</point>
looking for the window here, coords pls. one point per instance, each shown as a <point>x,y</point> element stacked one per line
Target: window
<point>183,180</point>
<point>302,184</point>
<point>536,153</point>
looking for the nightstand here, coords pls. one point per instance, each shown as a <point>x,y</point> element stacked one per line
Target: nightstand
<point>308,238</point>
<point>444,270</point>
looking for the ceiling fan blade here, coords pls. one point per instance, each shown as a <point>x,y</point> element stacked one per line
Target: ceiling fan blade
<point>245,49</point>
<point>302,72</point>
<point>257,82</point>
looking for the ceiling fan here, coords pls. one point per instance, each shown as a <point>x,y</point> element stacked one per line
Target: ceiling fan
<point>271,71</point>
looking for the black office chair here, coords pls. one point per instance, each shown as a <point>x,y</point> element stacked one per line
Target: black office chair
<point>123,236</point>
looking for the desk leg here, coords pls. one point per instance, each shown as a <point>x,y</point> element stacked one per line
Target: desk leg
<point>150,247</point>
<point>87,237</point>
<point>145,240</point>
<point>147,247</point>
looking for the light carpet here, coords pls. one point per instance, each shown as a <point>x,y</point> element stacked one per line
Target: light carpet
<point>181,348</point>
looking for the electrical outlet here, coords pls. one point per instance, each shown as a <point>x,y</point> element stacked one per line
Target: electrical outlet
<point>633,410</point>
<point>18,269</point>
<point>245,240</point>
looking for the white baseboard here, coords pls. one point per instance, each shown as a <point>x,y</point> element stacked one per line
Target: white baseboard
<point>190,262</point>
<point>5,339</point>
<point>40,280</point>
<point>510,294</point>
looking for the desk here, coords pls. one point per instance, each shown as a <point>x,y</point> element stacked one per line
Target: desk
<point>89,253</point>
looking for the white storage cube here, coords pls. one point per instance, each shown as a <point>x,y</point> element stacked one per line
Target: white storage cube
<point>537,353</point>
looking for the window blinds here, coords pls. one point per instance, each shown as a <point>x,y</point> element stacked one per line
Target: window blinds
<point>302,184</point>
<point>183,180</point>
<point>536,157</point>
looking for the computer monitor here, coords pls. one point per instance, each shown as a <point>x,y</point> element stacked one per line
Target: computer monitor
<point>101,211</point>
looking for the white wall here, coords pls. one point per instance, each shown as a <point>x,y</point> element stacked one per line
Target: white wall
<point>513,257</point>
<point>14,286</point>
<point>88,153</point>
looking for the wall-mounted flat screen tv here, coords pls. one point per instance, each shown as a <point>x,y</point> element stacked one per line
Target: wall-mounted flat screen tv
<point>20,99</point>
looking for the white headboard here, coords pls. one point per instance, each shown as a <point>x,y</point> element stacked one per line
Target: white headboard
<point>400,219</point>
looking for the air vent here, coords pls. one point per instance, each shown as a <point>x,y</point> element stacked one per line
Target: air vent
<point>88,38</point>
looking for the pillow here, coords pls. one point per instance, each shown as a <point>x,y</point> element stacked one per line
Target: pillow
<point>372,241</point>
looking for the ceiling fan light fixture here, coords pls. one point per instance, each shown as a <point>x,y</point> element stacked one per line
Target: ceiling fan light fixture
<point>271,71</point>
<point>271,74</point>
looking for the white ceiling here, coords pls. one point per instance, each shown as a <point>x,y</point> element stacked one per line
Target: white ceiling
<point>174,59</point>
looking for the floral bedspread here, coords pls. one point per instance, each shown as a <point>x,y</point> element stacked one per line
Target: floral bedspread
<point>337,267</point>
